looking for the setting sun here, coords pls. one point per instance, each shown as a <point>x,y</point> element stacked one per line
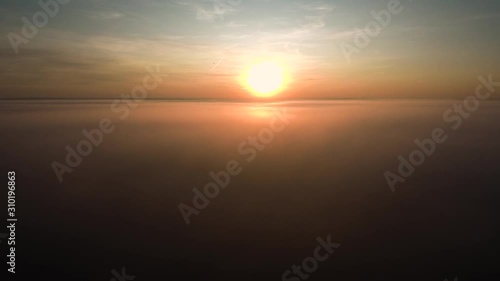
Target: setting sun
<point>265,79</point>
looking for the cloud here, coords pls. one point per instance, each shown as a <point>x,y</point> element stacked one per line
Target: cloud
<point>317,6</point>
<point>106,15</point>
<point>214,10</point>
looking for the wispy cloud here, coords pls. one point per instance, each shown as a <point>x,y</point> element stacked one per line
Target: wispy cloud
<point>209,11</point>
<point>106,15</point>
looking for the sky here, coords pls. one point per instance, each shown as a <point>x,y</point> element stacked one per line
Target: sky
<point>101,48</point>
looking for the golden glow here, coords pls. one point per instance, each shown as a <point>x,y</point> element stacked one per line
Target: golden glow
<point>265,79</point>
<point>265,112</point>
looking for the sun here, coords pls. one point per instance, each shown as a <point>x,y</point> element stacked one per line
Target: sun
<point>265,79</point>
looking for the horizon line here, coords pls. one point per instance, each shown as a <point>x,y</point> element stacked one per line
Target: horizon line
<point>247,100</point>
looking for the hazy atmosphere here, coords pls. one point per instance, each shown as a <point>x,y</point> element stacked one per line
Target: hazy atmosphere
<point>99,48</point>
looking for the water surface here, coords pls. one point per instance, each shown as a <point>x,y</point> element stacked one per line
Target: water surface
<point>322,175</point>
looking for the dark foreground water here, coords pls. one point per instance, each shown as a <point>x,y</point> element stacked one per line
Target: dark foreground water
<point>322,175</point>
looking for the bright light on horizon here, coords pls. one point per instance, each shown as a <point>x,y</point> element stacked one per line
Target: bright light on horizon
<point>265,79</point>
